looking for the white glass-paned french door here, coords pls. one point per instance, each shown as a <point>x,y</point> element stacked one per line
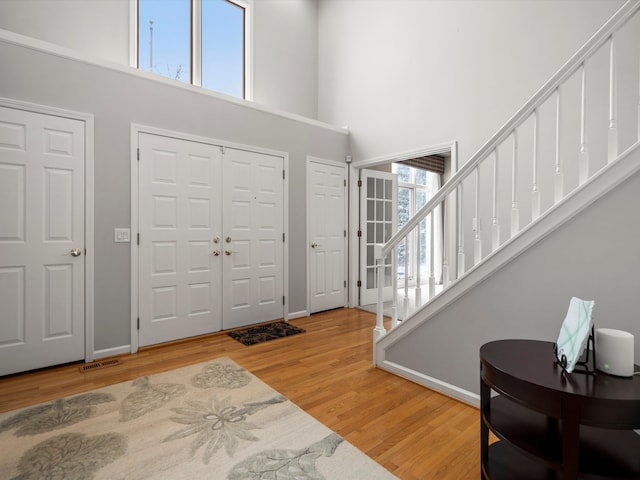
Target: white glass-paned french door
<point>378,220</point>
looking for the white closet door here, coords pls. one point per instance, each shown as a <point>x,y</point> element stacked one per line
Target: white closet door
<point>378,222</point>
<point>42,247</point>
<point>327,219</point>
<point>180,234</point>
<point>253,189</point>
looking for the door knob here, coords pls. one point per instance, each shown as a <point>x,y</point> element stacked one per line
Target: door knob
<point>75,252</point>
<point>227,252</point>
<point>314,245</point>
<point>216,240</point>
<point>216,253</point>
<point>228,239</point>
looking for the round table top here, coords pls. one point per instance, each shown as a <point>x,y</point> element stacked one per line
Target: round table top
<point>534,362</point>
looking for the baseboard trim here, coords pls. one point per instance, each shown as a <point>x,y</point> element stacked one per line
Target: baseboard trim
<point>431,383</point>
<point>300,314</point>
<point>110,352</point>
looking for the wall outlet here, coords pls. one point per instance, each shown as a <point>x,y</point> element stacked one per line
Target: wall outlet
<point>122,235</point>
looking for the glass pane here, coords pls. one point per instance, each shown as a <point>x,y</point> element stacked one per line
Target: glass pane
<point>388,189</point>
<point>380,210</point>
<point>421,199</point>
<point>404,173</point>
<point>404,206</point>
<point>379,233</point>
<point>379,188</point>
<point>223,47</point>
<point>371,210</point>
<point>371,187</point>
<point>388,212</point>
<point>387,231</point>
<point>164,38</point>
<point>370,255</point>
<point>371,278</point>
<point>371,228</point>
<point>421,176</point>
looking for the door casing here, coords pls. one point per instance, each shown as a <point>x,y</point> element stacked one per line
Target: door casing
<point>137,129</point>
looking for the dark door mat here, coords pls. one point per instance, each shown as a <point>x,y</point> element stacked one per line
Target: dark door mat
<point>264,333</point>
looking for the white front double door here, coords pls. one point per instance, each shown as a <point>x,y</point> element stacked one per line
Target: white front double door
<point>211,243</point>
<point>42,240</point>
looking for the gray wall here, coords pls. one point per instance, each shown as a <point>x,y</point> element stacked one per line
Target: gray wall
<point>117,99</point>
<point>593,257</point>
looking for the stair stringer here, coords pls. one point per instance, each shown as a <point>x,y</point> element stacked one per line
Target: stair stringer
<point>466,388</point>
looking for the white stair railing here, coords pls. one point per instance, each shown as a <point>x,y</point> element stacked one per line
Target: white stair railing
<point>557,170</point>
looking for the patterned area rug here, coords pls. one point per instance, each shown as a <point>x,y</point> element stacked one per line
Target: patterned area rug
<point>213,420</point>
<point>266,332</point>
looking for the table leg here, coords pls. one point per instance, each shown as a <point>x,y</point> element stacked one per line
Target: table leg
<point>485,402</point>
<point>570,440</point>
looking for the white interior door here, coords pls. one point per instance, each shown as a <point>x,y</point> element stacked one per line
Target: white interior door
<point>180,239</point>
<point>42,240</point>
<point>253,190</point>
<point>378,222</point>
<point>327,236</point>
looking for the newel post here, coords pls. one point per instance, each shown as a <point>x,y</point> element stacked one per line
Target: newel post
<point>379,331</point>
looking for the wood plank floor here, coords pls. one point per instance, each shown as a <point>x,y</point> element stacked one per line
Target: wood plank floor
<point>414,432</point>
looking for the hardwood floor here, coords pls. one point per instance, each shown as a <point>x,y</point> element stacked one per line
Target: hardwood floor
<point>414,432</point>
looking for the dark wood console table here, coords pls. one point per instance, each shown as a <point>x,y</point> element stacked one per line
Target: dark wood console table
<point>552,424</point>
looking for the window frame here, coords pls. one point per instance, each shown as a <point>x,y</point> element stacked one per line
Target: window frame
<point>195,73</point>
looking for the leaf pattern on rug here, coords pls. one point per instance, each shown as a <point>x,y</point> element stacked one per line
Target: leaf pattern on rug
<point>286,464</point>
<point>59,413</point>
<point>218,424</point>
<point>71,456</point>
<point>221,376</point>
<point>148,397</point>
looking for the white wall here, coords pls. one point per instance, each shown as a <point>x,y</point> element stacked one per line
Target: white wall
<point>407,74</point>
<point>285,41</point>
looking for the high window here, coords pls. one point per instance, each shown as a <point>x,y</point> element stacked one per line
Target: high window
<point>202,42</point>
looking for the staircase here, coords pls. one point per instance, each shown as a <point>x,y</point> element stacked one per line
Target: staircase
<point>520,220</point>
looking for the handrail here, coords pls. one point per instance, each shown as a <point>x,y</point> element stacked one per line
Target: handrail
<point>569,68</point>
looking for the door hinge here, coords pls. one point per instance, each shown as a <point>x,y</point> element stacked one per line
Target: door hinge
<point>345,234</point>
<point>283,237</point>
<point>138,323</point>
<point>138,239</point>
<point>283,174</point>
<point>138,154</point>
<point>345,182</point>
<point>359,183</point>
<point>359,233</point>
<point>283,302</point>
<point>359,284</point>
<point>345,284</point>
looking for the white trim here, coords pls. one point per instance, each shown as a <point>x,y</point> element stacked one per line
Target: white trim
<point>133,33</point>
<point>449,147</point>
<point>65,53</point>
<point>89,239</point>
<point>300,314</point>
<point>136,130</point>
<point>439,386</point>
<point>110,352</point>
<point>333,163</point>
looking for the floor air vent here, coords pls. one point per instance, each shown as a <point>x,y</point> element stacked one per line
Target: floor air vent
<point>96,365</point>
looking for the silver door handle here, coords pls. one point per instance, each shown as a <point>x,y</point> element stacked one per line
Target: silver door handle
<point>75,252</point>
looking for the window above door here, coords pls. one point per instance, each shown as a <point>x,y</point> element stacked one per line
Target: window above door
<point>199,42</point>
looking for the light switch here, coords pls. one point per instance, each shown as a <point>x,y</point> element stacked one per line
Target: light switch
<point>122,235</point>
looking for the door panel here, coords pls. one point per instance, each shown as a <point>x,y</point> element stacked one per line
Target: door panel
<point>253,227</point>
<point>42,161</point>
<point>180,222</point>
<point>378,222</point>
<point>327,236</point>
